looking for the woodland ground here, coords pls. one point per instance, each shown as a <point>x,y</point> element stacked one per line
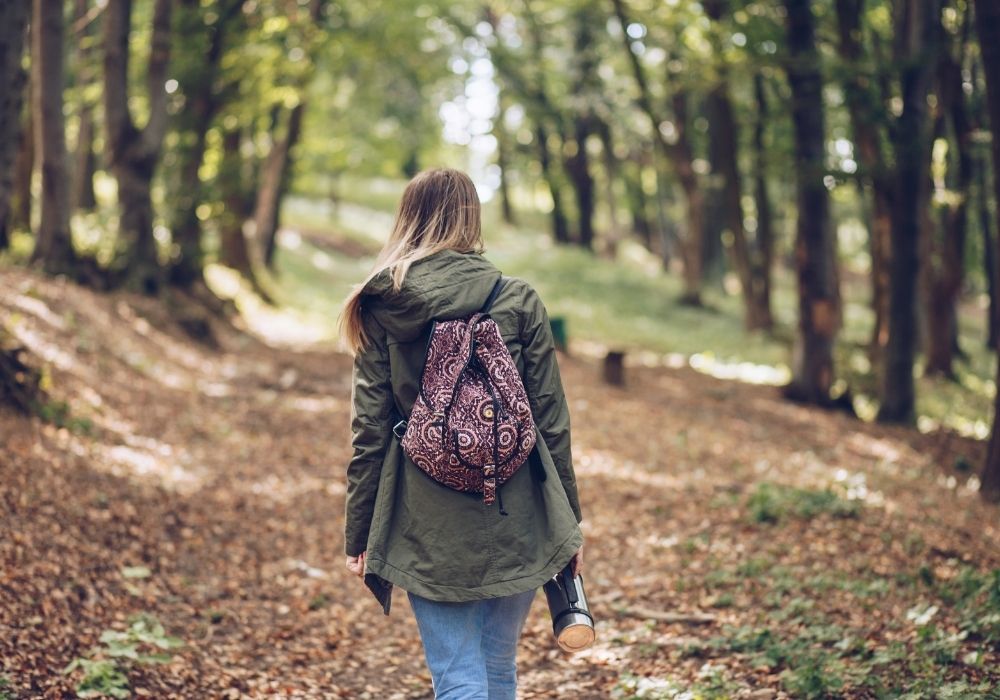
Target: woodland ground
<point>803,553</point>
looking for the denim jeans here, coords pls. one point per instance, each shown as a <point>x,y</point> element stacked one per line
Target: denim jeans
<point>471,647</point>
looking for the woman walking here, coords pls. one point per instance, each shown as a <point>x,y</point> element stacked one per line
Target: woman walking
<point>470,568</point>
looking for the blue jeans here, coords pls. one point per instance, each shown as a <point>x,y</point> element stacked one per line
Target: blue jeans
<point>471,647</point>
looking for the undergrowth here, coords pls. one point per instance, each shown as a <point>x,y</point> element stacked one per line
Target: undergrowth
<point>105,667</point>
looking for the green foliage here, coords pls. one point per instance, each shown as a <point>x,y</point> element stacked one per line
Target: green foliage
<point>710,685</point>
<point>105,666</point>
<point>771,503</point>
<point>101,678</point>
<point>6,691</point>
<point>976,597</point>
<point>58,413</point>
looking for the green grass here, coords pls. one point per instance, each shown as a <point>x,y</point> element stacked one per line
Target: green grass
<point>631,304</point>
<point>771,503</point>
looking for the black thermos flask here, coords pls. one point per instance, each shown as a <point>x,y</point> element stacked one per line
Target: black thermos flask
<point>572,622</point>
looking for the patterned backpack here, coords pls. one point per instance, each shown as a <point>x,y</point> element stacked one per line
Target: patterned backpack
<point>471,426</point>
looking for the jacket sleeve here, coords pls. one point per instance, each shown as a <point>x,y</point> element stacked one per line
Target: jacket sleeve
<point>545,392</point>
<point>371,430</point>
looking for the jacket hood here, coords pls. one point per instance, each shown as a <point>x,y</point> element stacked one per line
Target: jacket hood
<point>445,285</point>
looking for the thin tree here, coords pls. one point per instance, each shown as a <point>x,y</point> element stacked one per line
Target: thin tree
<point>915,25</point>
<point>679,153</point>
<point>53,240</point>
<point>503,159</point>
<point>988,29</point>
<point>547,119</point>
<point>763,251</point>
<point>13,22</point>
<point>134,153</point>
<point>724,133</point>
<point>277,167</point>
<point>943,266</point>
<point>84,158</point>
<point>865,107</point>
<point>815,241</point>
<point>203,99</point>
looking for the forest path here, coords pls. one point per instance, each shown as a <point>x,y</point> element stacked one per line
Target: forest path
<point>221,472</point>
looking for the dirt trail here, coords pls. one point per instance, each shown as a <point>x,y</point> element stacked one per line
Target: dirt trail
<point>222,471</point>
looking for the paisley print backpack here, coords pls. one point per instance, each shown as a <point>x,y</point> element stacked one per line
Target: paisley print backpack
<point>471,426</point>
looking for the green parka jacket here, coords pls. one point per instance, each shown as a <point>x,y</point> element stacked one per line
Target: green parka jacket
<point>424,537</point>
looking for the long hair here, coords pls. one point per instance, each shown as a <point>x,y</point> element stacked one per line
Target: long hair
<point>439,211</point>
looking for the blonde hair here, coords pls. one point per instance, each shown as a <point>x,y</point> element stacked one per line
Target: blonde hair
<point>439,211</point>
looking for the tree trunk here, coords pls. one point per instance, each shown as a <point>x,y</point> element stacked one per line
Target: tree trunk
<point>24,167</point>
<point>272,180</point>
<point>815,241</point>
<point>503,161</point>
<point>713,241</point>
<point>610,249</point>
<point>134,153</point>
<point>988,28</point>
<point>202,104</point>
<point>237,201</point>
<point>915,31</point>
<point>53,241</point>
<point>638,203</point>
<point>84,161</point>
<point>945,267</point>
<point>560,227</point>
<point>763,252</point>
<point>578,170</point>
<point>13,21</point>
<point>691,244</point>
<point>864,107</point>
<point>724,135</point>
<point>679,155</point>
<point>991,269</point>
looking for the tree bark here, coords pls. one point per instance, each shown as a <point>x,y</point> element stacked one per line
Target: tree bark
<point>610,162</point>
<point>988,29</point>
<point>53,240</point>
<point>24,167</point>
<point>578,170</point>
<point>134,153</point>
<point>946,267</point>
<point>763,252</point>
<point>864,104</point>
<point>84,161</point>
<point>584,88</point>
<point>638,203</point>
<point>272,181</point>
<point>13,21</point>
<point>991,268</point>
<point>503,161</point>
<point>560,226</point>
<point>815,241</point>
<point>238,201</point>
<point>202,104</point>
<point>915,44</point>
<point>82,196</point>
<point>725,151</point>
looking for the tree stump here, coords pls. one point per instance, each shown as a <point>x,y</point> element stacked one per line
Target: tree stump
<point>614,368</point>
<point>19,383</point>
<point>558,326</point>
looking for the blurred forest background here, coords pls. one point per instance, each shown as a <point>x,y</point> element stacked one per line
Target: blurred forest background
<point>791,193</point>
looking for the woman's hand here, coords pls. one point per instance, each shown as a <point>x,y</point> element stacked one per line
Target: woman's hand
<point>356,565</point>
<point>577,561</point>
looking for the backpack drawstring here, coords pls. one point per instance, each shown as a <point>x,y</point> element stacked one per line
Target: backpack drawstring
<point>500,500</point>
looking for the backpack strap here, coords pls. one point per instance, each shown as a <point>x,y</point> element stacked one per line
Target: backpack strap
<point>493,295</point>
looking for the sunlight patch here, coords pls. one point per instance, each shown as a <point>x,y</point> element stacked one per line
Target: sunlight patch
<point>746,372</point>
